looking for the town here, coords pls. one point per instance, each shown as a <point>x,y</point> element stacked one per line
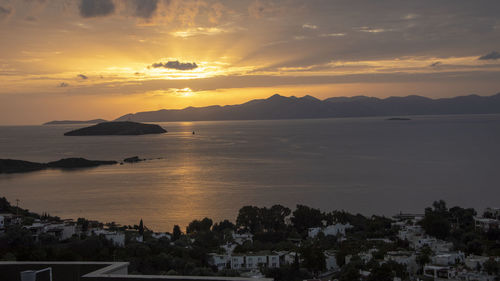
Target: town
<point>274,242</point>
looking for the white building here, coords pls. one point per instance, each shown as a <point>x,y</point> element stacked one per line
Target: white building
<point>158,235</point>
<point>331,261</point>
<point>410,232</point>
<point>255,261</point>
<point>436,245</point>
<point>335,229</point>
<point>237,262</point>
<point>474,276</point>
<point>472,261</point>
<point>486,224</point>
<point>219,260</point>
<point>249,261</point>
<point>494,211</point>
<point>364,256</point>
<point>287,257</point>
<point>2,223</point>
<point>7,219</point>
<point>450,258</point>
<point>405,258</point>
<point>118,238</point>
<point>61,231</point>
<point>439,272</point>
<point>240,238</point>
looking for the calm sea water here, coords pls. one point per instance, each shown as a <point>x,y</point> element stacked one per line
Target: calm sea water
<point>366,165</point>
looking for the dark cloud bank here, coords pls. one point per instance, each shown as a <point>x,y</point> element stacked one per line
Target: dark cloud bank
<point>176,65</point>
<point>96,8</point>
<point>491,56</point>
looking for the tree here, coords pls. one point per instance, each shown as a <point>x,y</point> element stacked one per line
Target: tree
<point>249,219</point>
<point>176,233</point>
<point>141,228</point>
<point>197,226</point>
<point>223,225</point>
<point>314,259</point>
<point>350,272</point>
<point>492,267</point>
<point>436,221</point>
<point>305,217</point>
<point>273,219</point>
<point>381,273</point>
<point>424,256</point>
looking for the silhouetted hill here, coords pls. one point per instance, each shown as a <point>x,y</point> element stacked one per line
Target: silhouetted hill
<point>65,122</point>
<point>117,128</point>
<point>20,166</point>
<point>280,107</point>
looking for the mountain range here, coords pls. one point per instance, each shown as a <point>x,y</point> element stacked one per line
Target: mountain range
<point>280,107</point>
<point>71,122</point>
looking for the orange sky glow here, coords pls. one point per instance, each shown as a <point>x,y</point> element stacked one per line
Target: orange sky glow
<point>101,59</point>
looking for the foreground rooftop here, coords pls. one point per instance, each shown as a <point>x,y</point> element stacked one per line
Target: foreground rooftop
<point>97,271</point>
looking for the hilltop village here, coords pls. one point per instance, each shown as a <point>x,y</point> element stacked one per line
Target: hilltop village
<point>304,244</point>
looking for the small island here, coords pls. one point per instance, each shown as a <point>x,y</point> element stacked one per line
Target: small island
<point>70,122</point>
<point>398,119</point>
<point>8,166</point>
<point>133,159</point>
<point>117,128</point>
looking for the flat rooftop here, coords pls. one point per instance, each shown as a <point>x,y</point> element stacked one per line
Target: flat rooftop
<point>97,271</point>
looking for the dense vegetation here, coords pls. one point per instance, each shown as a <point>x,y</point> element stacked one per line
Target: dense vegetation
<point>276,228</point>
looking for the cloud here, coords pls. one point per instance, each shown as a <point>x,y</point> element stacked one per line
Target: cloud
<point>309,26</point>
<point>435,64</point>
<point>4,12</point>
<point>176,65</point>
<point>83,77</point>
<point>332,35</point>
<point>259,8</point>
<point>145,8</point>
<point>96,8</point>
<point>197,31</point>
<point>63,85</point>
<point>372,30</point>
<point>491,56</point>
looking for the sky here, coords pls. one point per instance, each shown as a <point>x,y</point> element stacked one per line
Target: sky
<point>89,59</point>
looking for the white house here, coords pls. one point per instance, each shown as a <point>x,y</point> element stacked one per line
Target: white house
<point>254,261</point>
<point>335,229</point>
<point>221,261</point>
<point>441,272</point>
<point>2,222</point>
<point>249,261</point>
<point>364,256</point>
<point>331,261</point>
<point>240,238</point>
<point>237,262</point>
<point>61,231</point>
<point>410,232</point>
<point>7,219</point>
<point>118,238</point>
<point>486,224</point>
<point>472,261</point>
<point>158,235</point>
<point>450,258</point>
<point>401,257</point>
<point>494,211</point>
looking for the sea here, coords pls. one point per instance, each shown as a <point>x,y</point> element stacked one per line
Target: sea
<point>371,166</point>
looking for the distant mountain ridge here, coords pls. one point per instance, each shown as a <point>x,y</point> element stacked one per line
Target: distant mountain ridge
<point>280,107</point>
<point>66,122</point>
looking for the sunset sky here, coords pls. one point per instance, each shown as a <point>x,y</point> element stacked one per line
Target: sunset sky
<point>103,58</point>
